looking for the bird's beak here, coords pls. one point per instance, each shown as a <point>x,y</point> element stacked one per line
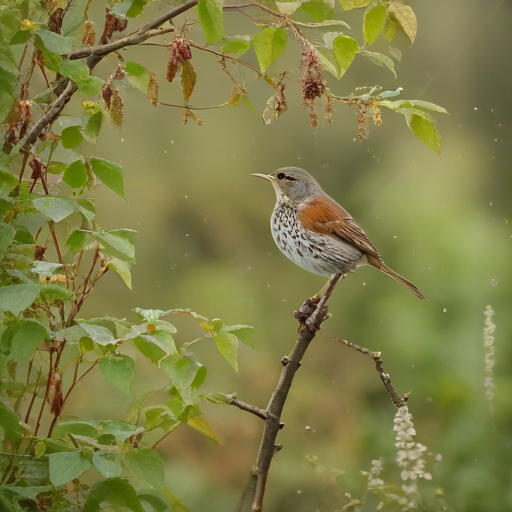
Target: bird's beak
<point>264,176</point>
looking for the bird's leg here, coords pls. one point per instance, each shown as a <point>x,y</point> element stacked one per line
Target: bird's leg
<point>311,304</point>
<point>324,289</point>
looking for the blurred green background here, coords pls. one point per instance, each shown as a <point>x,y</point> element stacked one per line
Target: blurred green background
<point>204,243</point>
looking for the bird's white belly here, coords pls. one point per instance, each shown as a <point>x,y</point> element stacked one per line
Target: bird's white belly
<point>320,254</point>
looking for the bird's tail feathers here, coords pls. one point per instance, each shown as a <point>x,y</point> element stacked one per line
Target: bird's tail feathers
<point>379,264</point>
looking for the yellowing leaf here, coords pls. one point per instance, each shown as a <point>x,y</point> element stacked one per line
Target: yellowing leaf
<point>188,79</point>
<point>373,23</point>
<point>345,49</point>
<point>203,427</point>
<point>404,17</point>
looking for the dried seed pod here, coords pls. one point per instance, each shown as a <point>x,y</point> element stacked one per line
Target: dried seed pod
<point>153,89</point>
<point>179,52</point>
<point>54,397</point>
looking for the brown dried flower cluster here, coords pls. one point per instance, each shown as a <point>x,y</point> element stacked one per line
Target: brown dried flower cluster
<point>362,116</point>
<point>277,104</point>
<point>313,84</point>
<point>17,127</point>
<point>179,52</point>
<point>112,24</point>
<point>110,95</point>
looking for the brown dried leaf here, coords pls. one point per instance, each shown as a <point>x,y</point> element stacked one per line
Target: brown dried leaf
<point>153,89</point>
<point>184,115</point>
<point>89,34</point>
<point>188,79</point>
<point>116,109</point>
<point>106,93</point>
<point>172,69</point>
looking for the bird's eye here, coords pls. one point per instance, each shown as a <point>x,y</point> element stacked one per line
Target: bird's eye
<point>281,176</point>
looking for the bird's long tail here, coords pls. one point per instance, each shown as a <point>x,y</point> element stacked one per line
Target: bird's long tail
<point>379,264</point>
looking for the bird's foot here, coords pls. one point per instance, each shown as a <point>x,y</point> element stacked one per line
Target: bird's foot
<point>306,310</point>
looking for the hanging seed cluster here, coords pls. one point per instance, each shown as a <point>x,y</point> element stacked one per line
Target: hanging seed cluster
<point>179,50</point>
<point>110,95</point>
<point>313,85</point>
<point>112,24</point>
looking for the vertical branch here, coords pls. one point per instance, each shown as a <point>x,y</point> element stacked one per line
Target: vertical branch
<point>254,491</point>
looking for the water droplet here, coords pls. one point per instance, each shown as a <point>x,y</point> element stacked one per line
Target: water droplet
<point>494,282</point>
<point>444,310</point>
<point>491,203</point>
<point>299,492</point>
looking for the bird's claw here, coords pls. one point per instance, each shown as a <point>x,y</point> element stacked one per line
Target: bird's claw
<point>306,310</point>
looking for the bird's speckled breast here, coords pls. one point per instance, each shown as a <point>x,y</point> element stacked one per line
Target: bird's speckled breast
<point>314,252</point>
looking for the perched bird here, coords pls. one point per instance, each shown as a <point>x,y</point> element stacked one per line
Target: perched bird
<point>316,233</point>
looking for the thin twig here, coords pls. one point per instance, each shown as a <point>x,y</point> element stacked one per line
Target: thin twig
<point>59,254</point>
<point>257,411</point>
<point>398,401</point>
<point>50,372</point>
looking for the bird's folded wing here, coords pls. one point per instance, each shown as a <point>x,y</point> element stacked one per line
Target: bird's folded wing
<point>325,216</point>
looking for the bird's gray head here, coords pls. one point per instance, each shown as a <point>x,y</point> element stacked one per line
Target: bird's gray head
<point>293,183</point>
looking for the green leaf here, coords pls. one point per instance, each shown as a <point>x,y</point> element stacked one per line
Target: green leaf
<point>77,241</point>
<point>20,37</point>
<point>57,167</point>
<point>8,182</point>
<point>17,297</point>
<point>92,86</point>
<point>80,428</point>
<point>226,342</point>
<point>71,137</point>
<point>203,427</point>
<point>66,466</point>
<point>115,491</point>
<point>119,429</point>
<point>123,269</point>
<point>72,335</point>
<point>422,105</point>
<point>219,398</point>
<point>52,292</point>
<point>380,60</point>
<point>136,8</point>
<point>373,22</point>
<point>137,76</point>
<point>148,349</point>
<point>199,378</point>
<point>75,70</point>
<point>318,10</point>
<point>107,463</point>
<point>404,17</point>
<point>75,174</point>
<point>9,422</point>
<point>119,370</point>
<point>27,337</point>
<point>119,243</point>
<point>243,333</point>
<point>94,124</point>
<point>269,44</point>
<point>54,43</point>
<point>163,340</point>
<point>288,7</point>
<point>110,174</point>
<point>55,208</point>
<point>329,61</point>
<point>147,465</point>
<point>235,44</point>
<point>345,49</point>
<point>211,19</point>
<point>7,234</point>
<point>180,369</point>
<point>156,498</point>
<point>30,493</point>
<point>423,129</point>
<point>101,335</point>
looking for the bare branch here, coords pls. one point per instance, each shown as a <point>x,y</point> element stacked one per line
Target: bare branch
<point>398,401</point>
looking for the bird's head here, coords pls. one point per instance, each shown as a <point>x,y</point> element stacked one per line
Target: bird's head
<point>293,183</point>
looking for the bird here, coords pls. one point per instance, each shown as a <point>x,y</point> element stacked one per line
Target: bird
<point>318,234</point>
